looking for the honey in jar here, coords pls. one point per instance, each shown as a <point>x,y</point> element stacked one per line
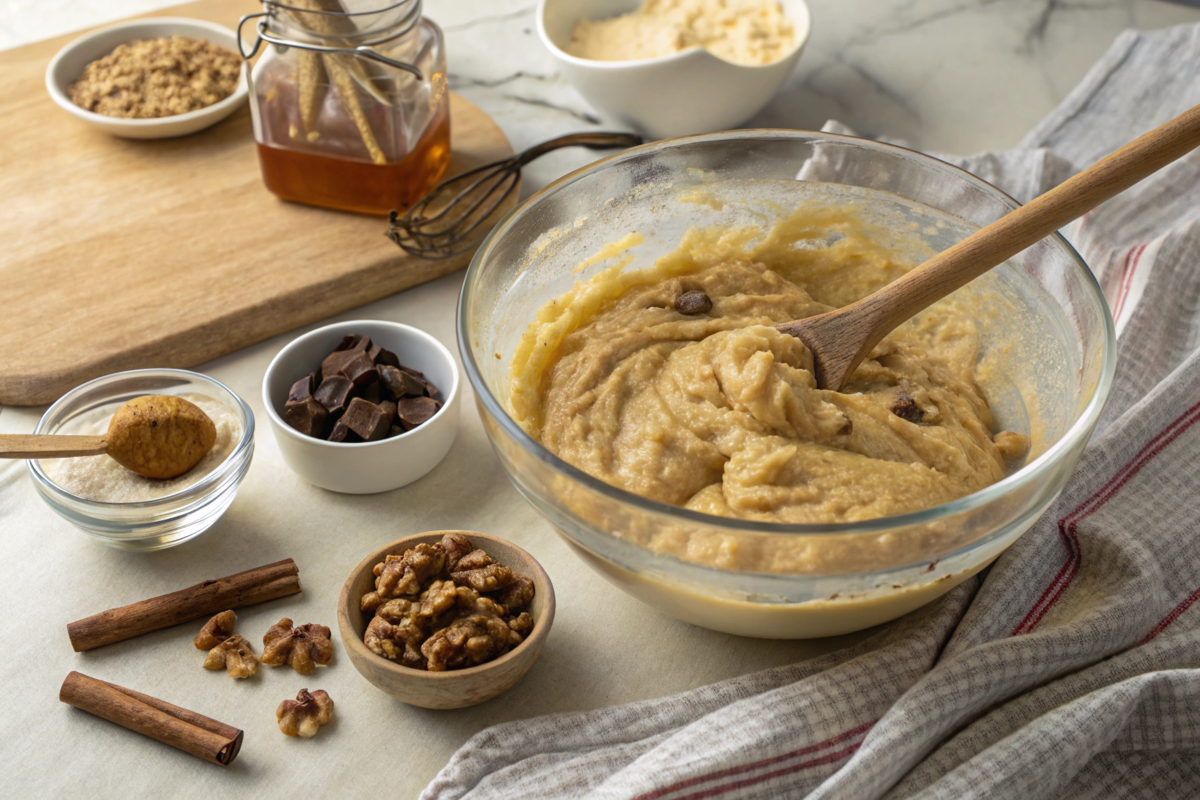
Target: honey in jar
<point>351,111</point>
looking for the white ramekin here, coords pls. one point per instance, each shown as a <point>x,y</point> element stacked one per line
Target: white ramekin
<point>676,95</point>
<point>364,467</point>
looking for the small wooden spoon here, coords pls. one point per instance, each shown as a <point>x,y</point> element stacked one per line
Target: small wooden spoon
<point>841,339</point>
<point>158,436</point>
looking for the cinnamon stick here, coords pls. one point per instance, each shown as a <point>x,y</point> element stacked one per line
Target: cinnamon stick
<point>190,732</point>
<point>204,599</point>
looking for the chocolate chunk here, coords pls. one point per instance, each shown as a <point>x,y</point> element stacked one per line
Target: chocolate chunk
<point>906,408</point>
<point>302,389</point>
<point>334,393</point>
<point>430,389</point>
<point>342,433</point>
<point>347,343</point>
<point>381,355</point>
<point>395,430</point>
<point>389,410</point>
<point>373,393</point>
<point>399,383</point>
<point>414,411</point>
<point>362,344</point>
<point>307,416</point>
<point>693,302</point>
<point>334,362</point>
<point>366,419</point>
<point>360,370</point>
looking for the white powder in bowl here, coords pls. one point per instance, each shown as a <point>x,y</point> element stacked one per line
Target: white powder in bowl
<point>101,478</point>
<point>751,32</point>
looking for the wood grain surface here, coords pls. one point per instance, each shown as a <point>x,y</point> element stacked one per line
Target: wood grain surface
<point>120,254</point>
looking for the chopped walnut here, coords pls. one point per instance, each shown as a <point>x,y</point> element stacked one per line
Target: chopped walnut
<point>476,559</point>
<point>235,655</point>
<point>440,597</point>
<point>370,601</point>
<point>446,606</point>
<point>398,639</point>
<point>303,647</point>
<point>516,595</point>
<point>456,546</point>
<point>305,715</point>
<point>215,631</point>
<point>485,579</point>
<point>523,624</point>
<point>469,640</point>
<point>403,575</point>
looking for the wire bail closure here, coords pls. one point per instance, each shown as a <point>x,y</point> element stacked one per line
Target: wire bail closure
<point>364,50</point>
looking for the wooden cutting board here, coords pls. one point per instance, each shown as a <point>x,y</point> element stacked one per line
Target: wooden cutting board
<point>118,254</point>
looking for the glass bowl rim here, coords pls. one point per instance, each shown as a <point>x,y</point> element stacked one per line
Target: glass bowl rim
<point>189,495</point>
<point>1028,473</point>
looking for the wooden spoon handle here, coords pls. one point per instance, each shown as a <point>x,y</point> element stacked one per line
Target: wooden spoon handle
<point>31,445</point>
<point>847,335</point>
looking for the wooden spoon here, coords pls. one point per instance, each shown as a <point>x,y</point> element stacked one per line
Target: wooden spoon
<point>158,436</point>
<point>841,339</point>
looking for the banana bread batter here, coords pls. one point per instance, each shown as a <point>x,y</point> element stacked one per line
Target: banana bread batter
<point>632,377</point>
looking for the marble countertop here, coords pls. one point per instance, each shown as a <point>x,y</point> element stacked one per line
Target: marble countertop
<point>956,76</point>
<point>949,75</point>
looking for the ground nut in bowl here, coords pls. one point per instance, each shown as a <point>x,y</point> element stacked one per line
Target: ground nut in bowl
<point>70,63</point>
<point>1035,334</point>
<point>121,508</point>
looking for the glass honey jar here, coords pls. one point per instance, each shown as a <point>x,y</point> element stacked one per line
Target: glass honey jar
<point>349,103</point>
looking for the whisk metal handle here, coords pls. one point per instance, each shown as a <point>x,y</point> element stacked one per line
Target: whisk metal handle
<point>596,141</point>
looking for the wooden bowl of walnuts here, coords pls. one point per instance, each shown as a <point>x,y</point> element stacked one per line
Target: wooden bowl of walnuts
<point>446,619</point>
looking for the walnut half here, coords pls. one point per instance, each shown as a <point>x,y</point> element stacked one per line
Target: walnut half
<point>215,631</point>
<point>235,655</point>
<point>305,715</point>
<point>303,647</point>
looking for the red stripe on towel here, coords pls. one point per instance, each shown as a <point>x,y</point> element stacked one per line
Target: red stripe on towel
<point>829,758</point>
<point>725,773</point>
<point>1174,615</point>
<point>1067,525</point>
<point>1131,264</point>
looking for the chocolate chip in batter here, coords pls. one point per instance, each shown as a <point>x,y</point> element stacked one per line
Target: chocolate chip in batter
<point>693,302</point>
<point>906,408</point>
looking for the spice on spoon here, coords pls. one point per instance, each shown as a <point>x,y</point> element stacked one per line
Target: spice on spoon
<point>157,436</point>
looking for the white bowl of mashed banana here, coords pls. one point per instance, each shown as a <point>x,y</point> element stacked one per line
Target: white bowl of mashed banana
<point>675,67</point>
<point>122,508</point>
<point>619,331</point>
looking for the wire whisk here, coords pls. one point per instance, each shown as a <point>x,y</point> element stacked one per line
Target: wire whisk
<point>442,223</point>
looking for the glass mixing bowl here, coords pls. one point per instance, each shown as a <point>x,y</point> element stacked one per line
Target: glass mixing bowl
<point>1050,351</point>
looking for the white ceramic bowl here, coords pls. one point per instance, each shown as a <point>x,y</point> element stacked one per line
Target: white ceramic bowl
<point>685,93</point>
<point>364,467</point>
<point>69,63</point>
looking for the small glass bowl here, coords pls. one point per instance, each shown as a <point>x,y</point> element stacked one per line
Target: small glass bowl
<point>165,521</point>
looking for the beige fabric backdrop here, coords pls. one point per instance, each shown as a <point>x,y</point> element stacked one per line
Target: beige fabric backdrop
<point>604,648</point>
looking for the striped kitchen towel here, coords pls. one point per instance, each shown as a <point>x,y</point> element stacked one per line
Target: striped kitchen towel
<point>1072,668</point>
